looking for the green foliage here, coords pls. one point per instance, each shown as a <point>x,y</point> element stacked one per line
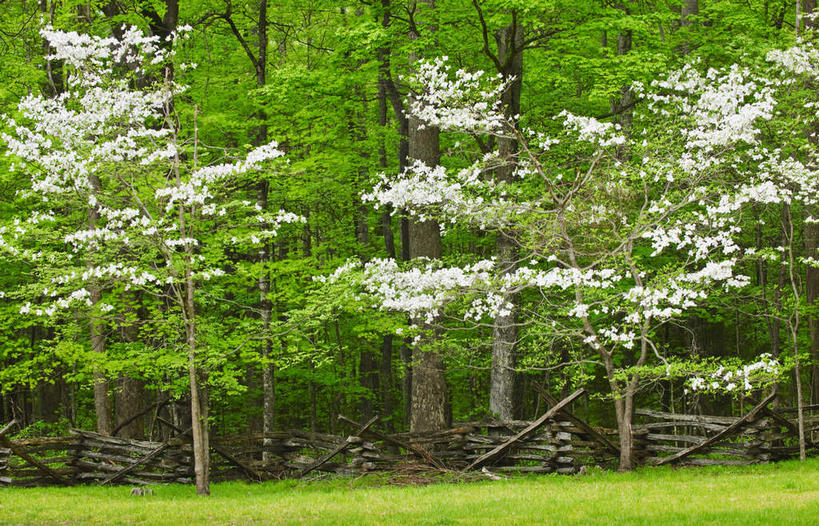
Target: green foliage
<point>319,100</point>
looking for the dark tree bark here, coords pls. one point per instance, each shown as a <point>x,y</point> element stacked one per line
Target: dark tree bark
<point>393,96</point>
<point>385,366</point>
<point>130,395</point>
<point>130,399</point>
<point>429,393</point>
<point>809,7</point>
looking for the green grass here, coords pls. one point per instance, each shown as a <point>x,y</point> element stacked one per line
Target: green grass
<point>784,493</point>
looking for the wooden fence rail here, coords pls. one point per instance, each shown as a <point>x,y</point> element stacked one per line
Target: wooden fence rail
<point>760,435</point>
<point>558,442</point>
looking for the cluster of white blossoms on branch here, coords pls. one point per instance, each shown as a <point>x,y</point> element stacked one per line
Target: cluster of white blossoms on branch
<point>745,379</point>
<point>700,134</point>
<point>463,100</point>
<point>435,193</point>
<point>802,59</point>
<point>592,131</point>
<point>423,292</point>
<point>197,189</point>
<point>112,150</point>
<point>726,109</point>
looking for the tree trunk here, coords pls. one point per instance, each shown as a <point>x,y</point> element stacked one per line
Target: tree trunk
<point>624,411</point>
<point>130,400</point>
<point>386,226</point>
<point>429,390</point>
<point>196,376</point>
<point>808,7</point>
<point>385,382</point>
<point>624,429</point>
<point>623,107</point>
<point>102,400</point>
<point>130,395</point>
<point>689,7</point>
<point>429,396</point>
<point>502,393</point>
<point>394,97</point>
<point>811,297</point>
<point>812,251</point>
<point>199,408</point>
<point>265,313</point>
<point>265,305</point>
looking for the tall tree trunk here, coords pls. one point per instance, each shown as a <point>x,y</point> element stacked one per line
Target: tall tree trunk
<point>196,375</point>
<point>793,323</point>
<point>385,366</point>
<point>102,400</point>
<point>429,396</point>
<point>199,400</point>
<point>199,409</point>
<point>623,107</point>
<point>259,136</point>
<point>811,297</point>
<point>502,393</point>
<point>429,390</point>
<point>268,368</point>
<point>367,365</point>
<point>812,250</point>
<point>394,97</point>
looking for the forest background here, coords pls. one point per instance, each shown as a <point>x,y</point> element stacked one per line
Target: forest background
<point>275,344</point>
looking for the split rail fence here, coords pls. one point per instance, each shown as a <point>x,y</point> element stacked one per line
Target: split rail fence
<point>557,442</point>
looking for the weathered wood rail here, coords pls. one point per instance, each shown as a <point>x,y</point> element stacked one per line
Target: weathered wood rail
<point>50,452</point>
<point>558,442</point>
<point>760,435</point>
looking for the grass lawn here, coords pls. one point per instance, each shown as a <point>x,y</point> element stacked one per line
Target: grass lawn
<point>784,493</point>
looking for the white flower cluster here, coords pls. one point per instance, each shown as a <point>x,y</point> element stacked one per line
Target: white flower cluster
<point>99,141</point>
<point>91,53</point>
<point>590,130</point>
<point>749,377</point>
<point>422,292</point>
<point>197,190</point>
<point>466,101</point>
<point>801,59</point>
<point>78,296</point>
<point>724,107</point>
<point>434,193</point>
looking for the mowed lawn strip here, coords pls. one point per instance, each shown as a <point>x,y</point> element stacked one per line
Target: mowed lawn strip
<point>784,493</point>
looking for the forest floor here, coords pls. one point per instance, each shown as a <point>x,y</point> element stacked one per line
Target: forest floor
<point>783,493</point>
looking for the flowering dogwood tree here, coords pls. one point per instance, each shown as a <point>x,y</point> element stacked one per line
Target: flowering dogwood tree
<point>159,219</point>
<point>612,248</point>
